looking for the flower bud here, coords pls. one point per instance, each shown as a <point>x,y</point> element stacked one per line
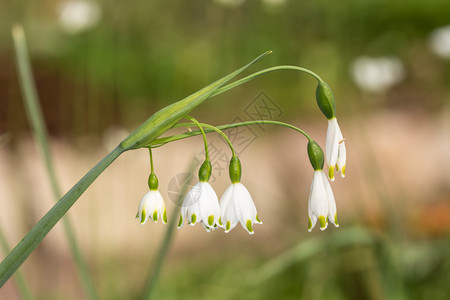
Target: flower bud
<point>153,182</point>
<point>315,154</point>
<point>235,170</point>
<point>325,100</point>
<point>204,173</point>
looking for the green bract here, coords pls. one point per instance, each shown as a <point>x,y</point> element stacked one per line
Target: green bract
<point>315,154</point>
<point>153,182</point>
<point>164,119</point>
<point>235,169</point>
<point>204,173</point>
<point>325,100</point>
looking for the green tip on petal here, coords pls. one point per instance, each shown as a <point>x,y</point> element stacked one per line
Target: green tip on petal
<point>193,218</point>
<point>143,217</point>
<point>227,228</point>
<point>155,216</point>
<point>164,216</point>
<point>180,222</point>
<point>220,221</point>
<point>331,173</point>
<point>309,224</point>
<point>336,221</point>
<point>249,226</point>
<point>343,171</point>
<point>137,215</point>
<point>322,222</point>
<point>258,220</point>
<point>211,220</point>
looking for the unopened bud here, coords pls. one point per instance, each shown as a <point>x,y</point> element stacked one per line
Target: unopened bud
<point>235,170</point>
<point>153,182</point>
<point>204,173</point>
<point>325,100</point>
<point>315,154</point>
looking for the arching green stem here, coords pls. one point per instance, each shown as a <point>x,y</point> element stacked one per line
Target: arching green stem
<point>203,135</point>
<point>262,72</point>
<point>213,128</point>
<point>208,128</point>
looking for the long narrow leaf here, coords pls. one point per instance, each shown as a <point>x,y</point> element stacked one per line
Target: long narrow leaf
<point>36,119</point>
<point>170,115</point>
<point>156,125</point>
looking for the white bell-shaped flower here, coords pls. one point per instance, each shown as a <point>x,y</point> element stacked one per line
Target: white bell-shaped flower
<point>152,206</point>
<point>236,205</point>
<point>335,149</point>
<point>201,205</point>
<point>321,203</point>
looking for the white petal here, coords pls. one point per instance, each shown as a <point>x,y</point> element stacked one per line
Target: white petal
<point>245,208</point>
<point>190,210</point>
<point>318,199</point>
<point>209,205</point>
<point>332,142</point>
<point>228,214</point>
<point>319,204</point>
<point>332,212</point>
<point>342,158</point>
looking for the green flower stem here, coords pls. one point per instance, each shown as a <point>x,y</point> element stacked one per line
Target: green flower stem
<point>203,135</point>
<point>24,248</point>
<point>151,159</point>
<point>213,128</point>
<point>152,278</point>
<point>36,119</point>
<point>262,72</point>
<point>162,141</point>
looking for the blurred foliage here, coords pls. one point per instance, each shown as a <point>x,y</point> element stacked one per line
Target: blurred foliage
<point>352,263</point>
<point>143,55</point>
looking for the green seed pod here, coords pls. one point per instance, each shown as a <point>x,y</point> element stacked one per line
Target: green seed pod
<point>204,173</point>
<point>325,100</point>
<point>235,170</point>
<point>153,182</point>
<point>315,154</point>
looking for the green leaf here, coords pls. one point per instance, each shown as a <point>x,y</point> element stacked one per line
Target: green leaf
<point>165,118</point>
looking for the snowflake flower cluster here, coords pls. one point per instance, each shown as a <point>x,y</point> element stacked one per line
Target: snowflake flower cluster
<point>201,204</point>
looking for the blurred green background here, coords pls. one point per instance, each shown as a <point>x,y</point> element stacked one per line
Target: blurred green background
<point>102,67</point>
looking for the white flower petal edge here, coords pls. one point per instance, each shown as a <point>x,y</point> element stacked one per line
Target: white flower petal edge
<point>152,206</point>
<point>321,203</point>
<point>335,149</point>
<point>236,205</point>
<point>201,205</point>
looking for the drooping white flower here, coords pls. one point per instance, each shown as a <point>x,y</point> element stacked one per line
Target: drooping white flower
<point>152,206</point>
<point>236,205</point>
<point>321,203</point>
<point>201,205</point>
<point>335,149</point>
